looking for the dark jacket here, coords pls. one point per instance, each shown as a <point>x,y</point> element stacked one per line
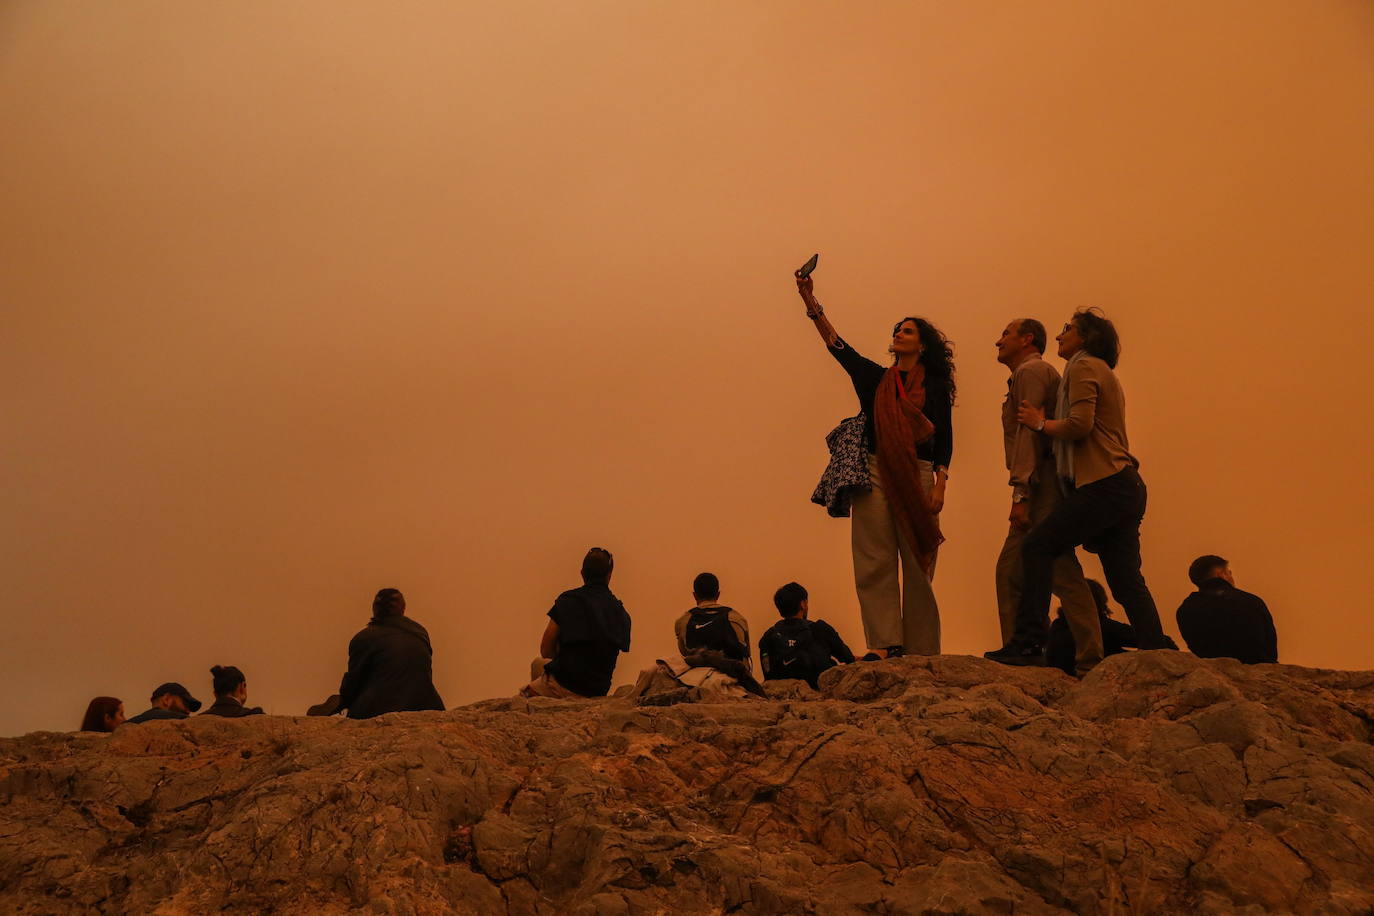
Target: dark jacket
<point>797,648</point>
<point>157,713</point>
<point>1221,621</point>
<point>389,670</point>
<point>231,708</point>
<point>1061,650</point>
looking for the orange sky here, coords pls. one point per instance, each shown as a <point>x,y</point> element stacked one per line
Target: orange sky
<point>302,300</point>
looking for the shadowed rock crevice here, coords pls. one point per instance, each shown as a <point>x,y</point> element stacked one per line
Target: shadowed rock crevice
<point>1159,784</point>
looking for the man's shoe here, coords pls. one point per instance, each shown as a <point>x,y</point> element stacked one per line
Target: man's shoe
<point>1019,655</point>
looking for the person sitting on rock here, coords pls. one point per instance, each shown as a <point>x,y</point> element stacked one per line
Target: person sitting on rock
<point>588,629</point>
<point>1221,621</point>
<point>390,665</point>
<point>170,701</point>
<point>104,714</point>
<point>797,647</point>
<point>711,626</point>
<point>231,693</point>
<point>1061,651</point>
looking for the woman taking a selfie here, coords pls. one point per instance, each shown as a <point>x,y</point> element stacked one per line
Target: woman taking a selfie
<point>909,439</point>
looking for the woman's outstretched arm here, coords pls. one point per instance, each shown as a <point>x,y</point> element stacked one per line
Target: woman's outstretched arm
<point>815,312</point>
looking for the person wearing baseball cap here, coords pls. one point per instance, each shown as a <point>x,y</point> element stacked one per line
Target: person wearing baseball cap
<point>170,701</point>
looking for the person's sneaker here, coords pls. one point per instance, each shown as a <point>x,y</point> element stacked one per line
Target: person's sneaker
<point>1016,654</point>
<point>889,652</point>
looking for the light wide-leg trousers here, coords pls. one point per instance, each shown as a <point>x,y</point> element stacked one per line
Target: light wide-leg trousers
<point>896,611</point>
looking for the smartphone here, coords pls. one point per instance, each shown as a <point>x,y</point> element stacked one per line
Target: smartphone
<point>810,265</point>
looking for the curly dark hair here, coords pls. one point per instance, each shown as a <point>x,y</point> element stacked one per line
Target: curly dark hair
<point>937,354</point>
<point>1099,335</point>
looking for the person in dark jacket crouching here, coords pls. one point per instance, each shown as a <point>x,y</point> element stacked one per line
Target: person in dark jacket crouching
<point>231,693</point>
<point>390,665</point>
<point>1221,621</point>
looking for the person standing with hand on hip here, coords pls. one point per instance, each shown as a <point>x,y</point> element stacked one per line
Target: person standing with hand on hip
<point>910,439</point>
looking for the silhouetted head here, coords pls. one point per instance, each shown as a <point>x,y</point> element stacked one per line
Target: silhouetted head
<point>1090,330</point>
<point>174,696</point>
<point>1020,336</point>
<point>706,587</point>
<point>916,335</point>
<point>228,681</point>
<point>389,602</point>
<point>104,714</point>
<point>597,566</point>
<point>1209,566</point>
<point>790,600</point>
<point>1099,597</point>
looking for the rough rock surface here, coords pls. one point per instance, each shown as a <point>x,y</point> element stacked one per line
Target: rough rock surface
<point>1159,784</point>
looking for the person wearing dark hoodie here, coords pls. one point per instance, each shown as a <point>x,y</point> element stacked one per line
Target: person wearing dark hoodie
<point>170,701</point>
<point>1221,621</point>
<point>231,694</point>
<point>588,629</point>
<point>390,665</point>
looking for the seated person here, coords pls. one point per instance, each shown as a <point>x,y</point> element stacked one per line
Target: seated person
<point>588,629</point>
<point>1221,621</point>
<point>797,647</point>
<point>104,714</point>
<point>390,665</point>
<point>231,692</point>
<point>170,701</point>
<point>711,626</point>
<point>1061,650</point>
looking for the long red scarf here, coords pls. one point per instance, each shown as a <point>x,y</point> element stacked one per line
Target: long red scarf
<point>900,422</point>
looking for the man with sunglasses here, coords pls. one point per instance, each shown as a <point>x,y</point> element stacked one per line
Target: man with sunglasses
<point>1104,496</point>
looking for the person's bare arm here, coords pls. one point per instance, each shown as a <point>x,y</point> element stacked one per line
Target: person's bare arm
<point>548,645</point>
<point>815,312</point>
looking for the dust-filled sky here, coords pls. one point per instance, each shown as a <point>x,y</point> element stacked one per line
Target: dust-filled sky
<point>305,299</point>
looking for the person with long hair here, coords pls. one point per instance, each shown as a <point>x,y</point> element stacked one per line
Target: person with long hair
<point>1104,496</point>
<point>910,439</point>
<point>104,714</point>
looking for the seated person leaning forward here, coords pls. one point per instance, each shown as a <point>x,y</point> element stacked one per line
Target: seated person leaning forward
<point>390,665</point>
<point>170,701</point>
<point>588,629</point>
<point>1221,621</point>
<point>231,694</point>
<point>797,647</point>
<point>1061,651</point>
<point>713,642</point>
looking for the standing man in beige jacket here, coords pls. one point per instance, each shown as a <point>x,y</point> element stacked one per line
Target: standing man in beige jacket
<point>1104,497</point>
<point>1035,492</point>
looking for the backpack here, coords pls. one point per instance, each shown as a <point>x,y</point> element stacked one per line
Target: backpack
<point>709,628</point>
<point>792,651</point>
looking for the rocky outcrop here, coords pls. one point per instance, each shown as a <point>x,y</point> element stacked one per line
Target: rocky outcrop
<point>1158,784</point>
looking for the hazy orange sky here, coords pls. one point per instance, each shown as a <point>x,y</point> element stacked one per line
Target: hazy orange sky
<point>302,300</point>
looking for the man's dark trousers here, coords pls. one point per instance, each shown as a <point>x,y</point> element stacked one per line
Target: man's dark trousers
<point>1104,516</point>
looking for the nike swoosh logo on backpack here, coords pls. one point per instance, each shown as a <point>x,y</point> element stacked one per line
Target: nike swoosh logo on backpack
<point>788,661</point>
<point>698,626</point>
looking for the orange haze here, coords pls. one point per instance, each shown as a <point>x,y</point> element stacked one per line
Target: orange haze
<point>302,300</point>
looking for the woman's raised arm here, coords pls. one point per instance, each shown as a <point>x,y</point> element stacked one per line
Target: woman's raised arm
<point>815,312</point>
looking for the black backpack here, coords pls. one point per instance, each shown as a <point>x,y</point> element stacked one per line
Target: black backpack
<point>709,628</point>
<point>792,651</point>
